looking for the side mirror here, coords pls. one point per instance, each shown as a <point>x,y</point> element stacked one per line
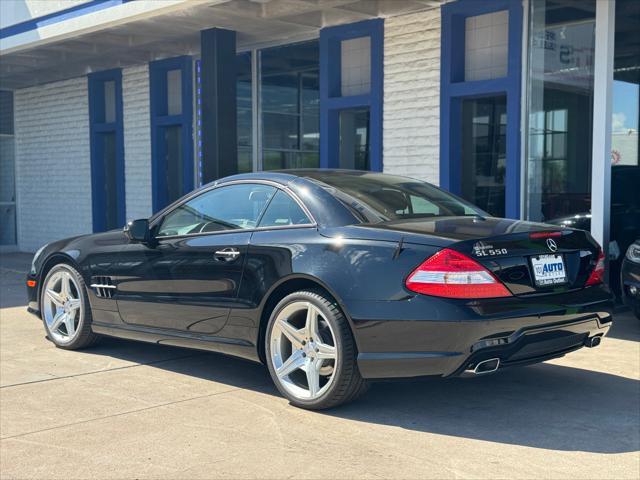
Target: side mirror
<point>138,230</point>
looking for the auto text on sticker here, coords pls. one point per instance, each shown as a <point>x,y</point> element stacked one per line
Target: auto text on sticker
<point>547,268</point>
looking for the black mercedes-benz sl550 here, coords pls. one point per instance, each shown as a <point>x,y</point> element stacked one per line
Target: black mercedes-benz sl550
<point>330,278</point>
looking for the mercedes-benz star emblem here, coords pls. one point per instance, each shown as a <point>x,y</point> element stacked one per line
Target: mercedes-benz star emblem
<point>551,243</point>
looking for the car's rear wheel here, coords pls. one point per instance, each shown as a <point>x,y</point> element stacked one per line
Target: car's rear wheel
<point>311,353</point>
<point>66,313</point>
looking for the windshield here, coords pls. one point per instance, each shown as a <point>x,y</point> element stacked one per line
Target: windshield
<point>375,197</point>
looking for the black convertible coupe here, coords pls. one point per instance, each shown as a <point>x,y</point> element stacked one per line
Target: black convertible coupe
<point>330,278</point>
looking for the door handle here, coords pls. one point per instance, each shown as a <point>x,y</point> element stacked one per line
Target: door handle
<point>227,254</point>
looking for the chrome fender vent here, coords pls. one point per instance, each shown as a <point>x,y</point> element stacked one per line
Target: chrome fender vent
<point>103,286</point>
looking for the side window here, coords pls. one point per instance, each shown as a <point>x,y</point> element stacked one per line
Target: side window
<point>282,211</point>
<point>233,207</point>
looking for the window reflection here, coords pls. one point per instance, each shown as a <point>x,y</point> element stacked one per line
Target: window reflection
<point>484,158</point>
<point>625,146</point>
<point>560,125</point>
<point>625,112</point>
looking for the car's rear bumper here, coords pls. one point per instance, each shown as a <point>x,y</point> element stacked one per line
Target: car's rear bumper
<point>420,347</point>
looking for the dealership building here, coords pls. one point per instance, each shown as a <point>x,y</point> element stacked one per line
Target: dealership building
<point>111,109</point>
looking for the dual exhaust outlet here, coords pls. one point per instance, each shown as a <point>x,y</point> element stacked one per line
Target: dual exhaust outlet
<point>485,366</point>
<point>492,364</point>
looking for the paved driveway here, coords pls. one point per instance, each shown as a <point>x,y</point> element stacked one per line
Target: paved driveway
<point>128,410</point>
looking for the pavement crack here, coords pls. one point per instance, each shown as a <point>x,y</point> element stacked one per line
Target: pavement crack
<point>93,372</point>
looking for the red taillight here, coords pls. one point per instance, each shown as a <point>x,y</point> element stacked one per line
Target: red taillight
<point>453,275</point>
<point>597,274</point>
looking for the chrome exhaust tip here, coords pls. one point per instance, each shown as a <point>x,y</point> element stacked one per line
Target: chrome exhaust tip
<point>487,366</point>
<point>592,342</point>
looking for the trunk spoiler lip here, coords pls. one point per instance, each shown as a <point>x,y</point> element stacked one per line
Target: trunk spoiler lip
<point>538,240</point>
<point>386,232</point>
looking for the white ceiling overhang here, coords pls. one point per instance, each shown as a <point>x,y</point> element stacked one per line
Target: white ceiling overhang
<point>120,37</point>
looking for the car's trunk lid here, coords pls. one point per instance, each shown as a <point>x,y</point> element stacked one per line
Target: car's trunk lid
<point>510,249</point>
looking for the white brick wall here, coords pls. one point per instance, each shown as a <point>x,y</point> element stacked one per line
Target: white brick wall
<point>137,141</point>
<point>53,177</point>
<point>411,119</point>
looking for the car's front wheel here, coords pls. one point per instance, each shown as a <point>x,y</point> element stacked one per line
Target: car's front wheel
<point>311,353</point>
<point>65,309</point>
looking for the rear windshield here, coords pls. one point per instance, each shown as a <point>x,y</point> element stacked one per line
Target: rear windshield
<point>375,197</point>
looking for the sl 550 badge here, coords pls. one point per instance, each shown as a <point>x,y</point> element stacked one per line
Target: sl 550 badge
<point>481,249</point>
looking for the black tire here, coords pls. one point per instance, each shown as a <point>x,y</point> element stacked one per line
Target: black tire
<point>84,336</point>
<point>348,384</point>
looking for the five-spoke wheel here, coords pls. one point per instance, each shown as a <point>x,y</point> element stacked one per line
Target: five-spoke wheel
<point>62,305</point>
<point>65,310</point>
<point>310,351</point>
<point>303,350</point>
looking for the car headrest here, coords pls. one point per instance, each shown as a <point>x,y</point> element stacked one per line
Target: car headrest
<point>394,199</point>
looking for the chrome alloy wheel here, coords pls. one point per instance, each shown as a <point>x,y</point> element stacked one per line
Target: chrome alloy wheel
<point>62,306</point>
<point>303,351</point>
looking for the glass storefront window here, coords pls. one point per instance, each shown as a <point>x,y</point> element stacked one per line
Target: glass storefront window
<point>625,147</point>
<point>289,105</point>
<point>560,95</point>
<point>625,116</point>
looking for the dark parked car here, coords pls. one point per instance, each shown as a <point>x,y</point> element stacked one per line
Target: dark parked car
<point>630,278</point>
<point>331,278</point>
<point>625,218</point>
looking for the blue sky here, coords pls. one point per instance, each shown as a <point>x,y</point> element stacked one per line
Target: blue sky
<point>625,105</point>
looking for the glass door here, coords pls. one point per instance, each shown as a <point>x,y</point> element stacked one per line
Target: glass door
<point>107,146</point>
<point>484,152</point>
<point>354,139</point>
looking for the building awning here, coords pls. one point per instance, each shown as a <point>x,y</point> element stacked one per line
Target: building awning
<point>137,32</point>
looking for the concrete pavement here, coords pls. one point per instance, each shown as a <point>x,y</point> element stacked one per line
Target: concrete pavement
<point>131,410</point>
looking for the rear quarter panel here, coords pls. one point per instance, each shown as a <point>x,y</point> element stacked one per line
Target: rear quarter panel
<point>352,270</point>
